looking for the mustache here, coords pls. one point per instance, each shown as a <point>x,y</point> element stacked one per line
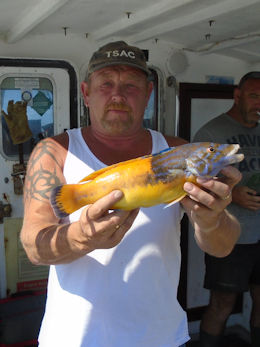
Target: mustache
<point>120,106</point>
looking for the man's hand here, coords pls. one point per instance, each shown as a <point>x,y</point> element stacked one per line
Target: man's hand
<point>102,228</point>
<point>246,198</point>
<point>215,229</point>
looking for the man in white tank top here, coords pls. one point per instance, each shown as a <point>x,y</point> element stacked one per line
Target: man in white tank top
<point>114,274</point>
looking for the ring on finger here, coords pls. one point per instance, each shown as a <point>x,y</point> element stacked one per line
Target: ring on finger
<point>227,196</point>
<point>117,226</point>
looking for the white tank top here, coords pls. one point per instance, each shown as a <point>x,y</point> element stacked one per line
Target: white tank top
<point>124,296</point>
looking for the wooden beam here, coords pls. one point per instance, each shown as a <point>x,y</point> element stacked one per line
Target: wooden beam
<point>32,18</point>
<point>199,16</point>
<point>231,42</point>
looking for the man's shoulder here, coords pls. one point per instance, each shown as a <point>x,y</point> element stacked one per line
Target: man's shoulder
<point>222,118</point>
<point>174,141</point>
<point>56,145</point>
<point>62,139</point>
<point>216,123</point>
<point>214,129</point>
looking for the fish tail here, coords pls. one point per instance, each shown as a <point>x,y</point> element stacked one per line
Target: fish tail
<point>64,200</point>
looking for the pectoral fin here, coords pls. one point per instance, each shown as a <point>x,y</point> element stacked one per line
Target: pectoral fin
<point>170,203</point>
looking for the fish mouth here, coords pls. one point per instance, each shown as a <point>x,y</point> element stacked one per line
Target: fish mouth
<point>233,156</point>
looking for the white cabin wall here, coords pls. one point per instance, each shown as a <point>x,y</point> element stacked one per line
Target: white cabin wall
<point>198,67</point>
<point>73,48</point>
<point>201,66</point>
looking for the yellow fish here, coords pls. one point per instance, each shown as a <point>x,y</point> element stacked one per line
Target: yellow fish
<point>148,180</point>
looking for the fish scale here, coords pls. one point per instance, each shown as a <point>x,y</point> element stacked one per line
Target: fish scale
<point>149,180</point>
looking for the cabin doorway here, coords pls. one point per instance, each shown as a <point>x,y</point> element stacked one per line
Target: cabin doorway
<point>198,103</point>
<point>49,91</point>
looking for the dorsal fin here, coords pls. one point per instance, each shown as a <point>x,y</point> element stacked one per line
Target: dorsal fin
<point>95,174</point>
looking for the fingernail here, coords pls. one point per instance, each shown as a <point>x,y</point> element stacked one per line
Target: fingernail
<point>188,186</point>
<point>118,194</point>
<point>202,179</point>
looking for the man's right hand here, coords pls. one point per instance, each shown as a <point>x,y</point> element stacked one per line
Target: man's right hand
<point>102,227</point>
<point>246,198</point>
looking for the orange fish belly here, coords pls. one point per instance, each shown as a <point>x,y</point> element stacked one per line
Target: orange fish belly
<point>140,188</point>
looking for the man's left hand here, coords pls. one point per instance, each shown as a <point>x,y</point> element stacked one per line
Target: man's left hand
<point>205,206</point>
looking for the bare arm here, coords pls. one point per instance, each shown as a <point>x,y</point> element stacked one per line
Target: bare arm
<point>45,240</point>
<point>216,230</point>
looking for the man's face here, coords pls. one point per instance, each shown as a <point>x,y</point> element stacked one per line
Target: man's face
<point>247,100</point>
<point>117,97</point>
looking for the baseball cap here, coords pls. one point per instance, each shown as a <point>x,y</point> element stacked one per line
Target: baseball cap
<point>247,76</point>
<point>117,53</point>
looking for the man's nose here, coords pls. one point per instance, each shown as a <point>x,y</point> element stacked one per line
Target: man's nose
<point>118,94</point>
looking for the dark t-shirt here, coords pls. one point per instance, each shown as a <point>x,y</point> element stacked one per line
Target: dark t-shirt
<point>224,129</point>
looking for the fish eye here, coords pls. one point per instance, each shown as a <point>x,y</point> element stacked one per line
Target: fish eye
<point>211,149</point>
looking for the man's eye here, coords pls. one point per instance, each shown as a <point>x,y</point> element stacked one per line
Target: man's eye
<point>106,84</point>
<point>131,86</point>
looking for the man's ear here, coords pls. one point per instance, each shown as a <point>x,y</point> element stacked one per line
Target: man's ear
<point>85,92</point>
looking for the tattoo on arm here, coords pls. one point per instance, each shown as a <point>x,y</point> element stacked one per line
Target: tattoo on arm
<point>41,181</point>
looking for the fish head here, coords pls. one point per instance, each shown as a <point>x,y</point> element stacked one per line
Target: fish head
<point>207,158</point>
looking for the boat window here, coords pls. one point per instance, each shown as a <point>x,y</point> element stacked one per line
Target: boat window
<point>38,99</point>
<point>36,95</point>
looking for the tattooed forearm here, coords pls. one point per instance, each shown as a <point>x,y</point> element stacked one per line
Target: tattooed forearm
<point>40,181</point>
